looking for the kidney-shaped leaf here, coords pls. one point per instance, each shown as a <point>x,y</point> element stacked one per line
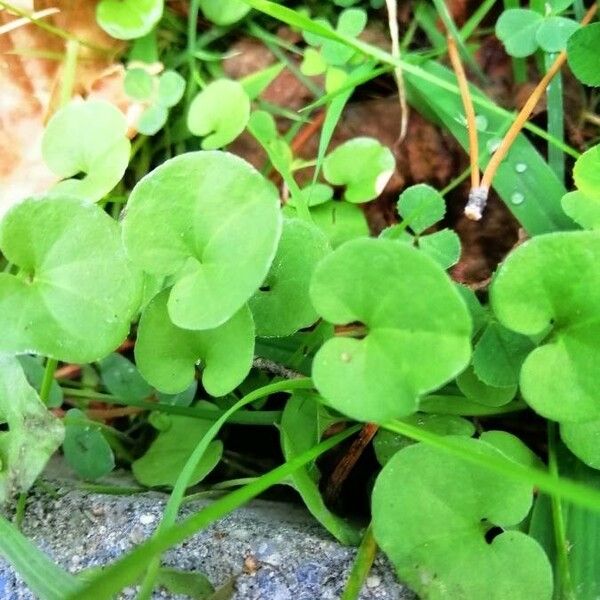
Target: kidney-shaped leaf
<point>418,328</point>
<point>172,448</point>
<point>220,112</point>
<point>167,356</point>
<point>421,206</point>
<point>224,12</point>
<point>431,513</point>
<point>517,29</point>
<point>583,52</point>
<point>33,435</point>
<point>282,306</point>
<point>586,172</point>
<point>363,165</point>
<point>550,285</point>
<point>76,292</point>
<point>128,19</point>
<point>213,221</point>
<point>87,137</point>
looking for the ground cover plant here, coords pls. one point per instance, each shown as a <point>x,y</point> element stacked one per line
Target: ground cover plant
<point>223,235</point>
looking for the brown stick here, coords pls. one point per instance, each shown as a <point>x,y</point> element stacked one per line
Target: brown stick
<point>524,114</point>
<point>467,101</point>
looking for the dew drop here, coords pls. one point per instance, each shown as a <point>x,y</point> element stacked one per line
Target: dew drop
<point>493,144</point>
<point>345,357</point>
<point>520,167</point>
<point>481,123</point>
<point>517,198</point>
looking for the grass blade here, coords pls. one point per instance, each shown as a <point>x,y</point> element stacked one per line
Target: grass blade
<point>127,570</point>
<point>361,567</point>
<point>524,181</point>
<point>45,579</point>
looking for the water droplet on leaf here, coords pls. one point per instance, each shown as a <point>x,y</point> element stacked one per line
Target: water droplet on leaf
<point>517,198</point>
<point>520,167</point>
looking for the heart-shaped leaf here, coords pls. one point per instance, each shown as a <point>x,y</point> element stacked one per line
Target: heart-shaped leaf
<point>220,112</point>
<point>163,461</point>
<point>76,292</point>
<point>418,328</point>
<point>376,162</point>
<point>443,508</point>
<point>87,137</point>
<point>499,354</point>
<point>517,28</point>
<point>167,355</point>
<point>282,306</point>
<point>475,389</point>
<point>553,33</point>
<point>582,209</point>
<point>582,441</point>
<point>213,222</point>
<point>33,435</point>
<point>421,206</point>
<point>583,52</point>
<point>122,379</point>
<point>586,172</point>
<point>548,286</point>
<point>128,19</point>
<point>224,12</point>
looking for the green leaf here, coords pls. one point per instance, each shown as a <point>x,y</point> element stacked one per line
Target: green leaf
<point>553,33</point>
<point>586,172</point>
<point>517,29</point>
<point>418,328</point>
<point>76,292</point>
<point>128,19</point>
<point>152,120</point>
<point>86,137</point>
<point>443,246</point>
<point>351,22</point>
<point>376,162</point>
<point>167,355</point>
<point>582,441</point>
<point>213,222</point>
<point>387,443</point>
<point>121,378</point>
<point>475,389</point>
<point>85,448</point>
<point>529,295</point>
<point>168,453</point>
<point>313,62</point>
<point>256,83</point>
<point>444,507</point>
<point>190,584</point>
<point>302,424</point>
<point>281,306</point>
<point>583,210</point>
<point>184,398</point>
<point>583,54</point>
<point>224,12</point>
<point>171,86</point>
<point>219,113</point>
<point>33,435</point>
<point>34,372</point>
<point>340,222</point>
<point>139,84</point>
<point>421,206</point>
<point>499,354</point>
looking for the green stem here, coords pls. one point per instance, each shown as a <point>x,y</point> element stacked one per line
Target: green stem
<point>579,7</point>
<point>563,572</point>
<point>519,65</point>
<point>51,364</point>
<point>556,124</point>
<point>191,47</point>
<point>69,71</point>
<point>127,570</point>
<point>255,417</point>
<point>361,567</point>
<point>186,474</point>
<point>475,19</point>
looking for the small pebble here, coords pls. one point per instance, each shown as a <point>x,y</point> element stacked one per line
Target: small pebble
<point>373,581</point>
<point>147,519</point>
